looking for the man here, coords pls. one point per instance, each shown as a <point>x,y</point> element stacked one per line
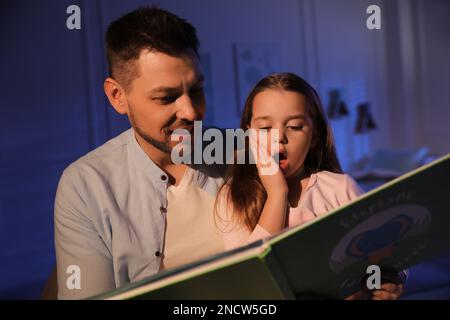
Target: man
<point>125,211</point>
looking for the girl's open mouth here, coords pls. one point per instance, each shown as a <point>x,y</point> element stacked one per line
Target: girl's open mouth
<point>283,161</point>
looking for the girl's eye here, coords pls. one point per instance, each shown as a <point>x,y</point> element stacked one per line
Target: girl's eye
<point>296,127</point>
<point>265,128</point>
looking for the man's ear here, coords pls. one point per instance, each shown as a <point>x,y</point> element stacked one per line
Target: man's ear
<point>116,95</point>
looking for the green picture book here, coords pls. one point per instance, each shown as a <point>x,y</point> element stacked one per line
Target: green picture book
<point>402,223</point>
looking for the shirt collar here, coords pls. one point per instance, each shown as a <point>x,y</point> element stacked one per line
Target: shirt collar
<point>142,162</point>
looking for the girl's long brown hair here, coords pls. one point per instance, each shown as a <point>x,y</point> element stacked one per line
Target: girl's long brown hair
<point>245,191</point>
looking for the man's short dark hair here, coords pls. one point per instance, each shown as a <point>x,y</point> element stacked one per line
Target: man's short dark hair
<point>148,28</point>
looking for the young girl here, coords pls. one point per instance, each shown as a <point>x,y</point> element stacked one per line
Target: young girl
<point>310,183</point>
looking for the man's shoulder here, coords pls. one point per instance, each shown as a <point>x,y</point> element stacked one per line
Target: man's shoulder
<point>109,149</point>
<point>102,160</point>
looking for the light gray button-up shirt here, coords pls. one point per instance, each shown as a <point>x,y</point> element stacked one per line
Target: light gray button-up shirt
<point>109,225</point>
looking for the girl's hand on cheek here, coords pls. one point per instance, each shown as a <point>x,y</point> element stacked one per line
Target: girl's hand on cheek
<point>269,172</point>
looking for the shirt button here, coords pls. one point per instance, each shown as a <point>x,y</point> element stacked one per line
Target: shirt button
<point>163,210</point>
<point>163,178</point>
<point>158,253</point>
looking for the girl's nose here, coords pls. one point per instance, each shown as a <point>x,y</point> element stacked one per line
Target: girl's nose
<point>282,139</point>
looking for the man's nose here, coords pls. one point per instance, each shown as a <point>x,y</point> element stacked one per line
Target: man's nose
<point>187,110</point>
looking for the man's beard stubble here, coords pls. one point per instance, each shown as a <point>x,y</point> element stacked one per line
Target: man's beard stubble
<point>160,145</point>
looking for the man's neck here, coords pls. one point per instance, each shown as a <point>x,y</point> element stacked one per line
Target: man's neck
<point>162,160</point>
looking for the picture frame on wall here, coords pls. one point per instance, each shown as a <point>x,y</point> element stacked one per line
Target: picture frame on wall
<point>252,62</point>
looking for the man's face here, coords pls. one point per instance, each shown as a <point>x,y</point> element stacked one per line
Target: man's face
<point>167,95</point>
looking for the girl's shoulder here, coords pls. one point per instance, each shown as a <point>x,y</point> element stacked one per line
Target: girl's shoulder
<point>332,176</point>
<point>334,182</point>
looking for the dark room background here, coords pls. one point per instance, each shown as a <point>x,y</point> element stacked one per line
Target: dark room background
<point>53,109</point>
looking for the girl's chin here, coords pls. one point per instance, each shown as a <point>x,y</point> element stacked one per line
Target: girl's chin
<point>288,173</point>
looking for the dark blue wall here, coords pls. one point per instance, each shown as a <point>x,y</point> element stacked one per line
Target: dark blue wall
<point>52,111</point>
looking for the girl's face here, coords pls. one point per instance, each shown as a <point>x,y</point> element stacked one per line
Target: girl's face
<point>286,111</point>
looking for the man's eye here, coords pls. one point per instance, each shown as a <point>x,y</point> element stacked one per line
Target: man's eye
<point>166,99</point>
